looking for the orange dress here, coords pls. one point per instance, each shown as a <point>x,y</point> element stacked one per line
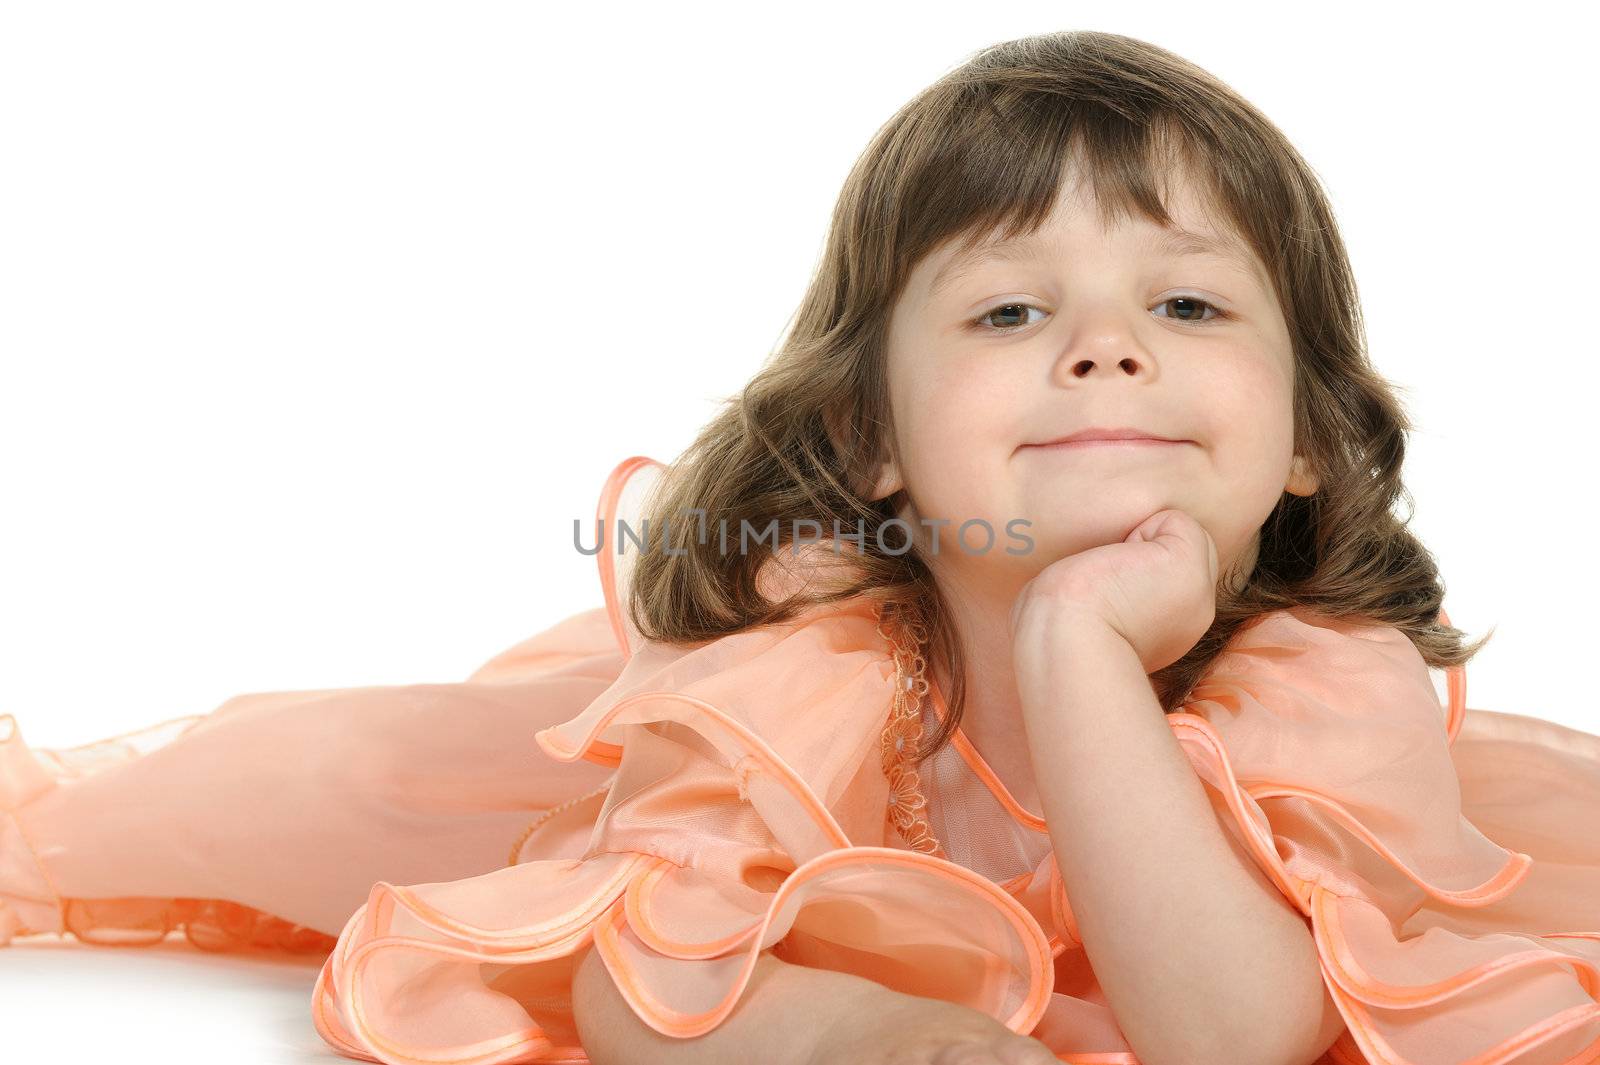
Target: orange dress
<point>449,847</point>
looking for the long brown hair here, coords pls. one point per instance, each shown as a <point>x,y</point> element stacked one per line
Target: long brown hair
<point>981,148</point>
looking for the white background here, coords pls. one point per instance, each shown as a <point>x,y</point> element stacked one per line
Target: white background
<point>320,323</point>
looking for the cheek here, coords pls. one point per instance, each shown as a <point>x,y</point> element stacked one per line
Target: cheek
<point>1247,416</point>
<point>952,405</point>
<point>950,437</point>
<point>1250,410</point>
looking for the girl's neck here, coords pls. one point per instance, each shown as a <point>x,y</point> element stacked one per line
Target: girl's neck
<point>991,717</point>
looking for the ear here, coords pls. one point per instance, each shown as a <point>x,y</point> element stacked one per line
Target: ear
<point>1302,480</point>
<point>888,480</point>
<point>884,475</point>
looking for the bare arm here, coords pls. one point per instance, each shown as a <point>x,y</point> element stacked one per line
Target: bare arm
<point>1221,968</point>
<point>780,1017</point>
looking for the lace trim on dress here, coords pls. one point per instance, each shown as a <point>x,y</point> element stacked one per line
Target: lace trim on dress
<point>898,743</point>
<point>902,735</point>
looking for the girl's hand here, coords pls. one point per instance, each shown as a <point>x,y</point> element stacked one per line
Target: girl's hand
<point>1157,589</point>
<point>926,1031</point>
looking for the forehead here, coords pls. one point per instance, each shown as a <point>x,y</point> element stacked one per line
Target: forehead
<point>1190,236</point>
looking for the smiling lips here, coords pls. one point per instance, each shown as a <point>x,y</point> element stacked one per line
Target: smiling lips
<point>1097,437</point>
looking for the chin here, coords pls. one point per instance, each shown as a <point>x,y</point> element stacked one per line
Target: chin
<point>1053,545</point>
<point>1089,519</point>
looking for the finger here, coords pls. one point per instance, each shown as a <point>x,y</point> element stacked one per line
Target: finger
<point>1179,524</point>
<point>1149,528</point>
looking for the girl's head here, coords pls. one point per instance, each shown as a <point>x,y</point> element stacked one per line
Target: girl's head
<point>1069,231</point>
<point>1098,317</point>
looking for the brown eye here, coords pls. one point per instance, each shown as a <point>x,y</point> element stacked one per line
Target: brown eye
<point>1002,317</point>
<point>1012,317</point>
<point>1189,311</point>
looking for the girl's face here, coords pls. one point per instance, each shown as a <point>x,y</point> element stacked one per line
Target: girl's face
<point>1079,328</point>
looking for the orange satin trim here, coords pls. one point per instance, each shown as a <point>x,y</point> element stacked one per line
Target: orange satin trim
<point>672,1022</point>
<point>600,752</point>
<point>755,747</point>
<point>1364,1033</point>
<point>1456,680</point>
<point>606,518</point>
<point>981,768</point>
<point>1347,970</point>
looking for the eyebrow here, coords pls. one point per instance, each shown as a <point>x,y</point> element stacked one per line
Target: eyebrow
<point>1175,243</point>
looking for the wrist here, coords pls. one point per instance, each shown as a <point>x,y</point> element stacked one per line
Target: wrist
<point>1080,649</point>
<point>1075,635</point>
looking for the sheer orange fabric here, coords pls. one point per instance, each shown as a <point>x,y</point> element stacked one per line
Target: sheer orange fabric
<point>450,847</point>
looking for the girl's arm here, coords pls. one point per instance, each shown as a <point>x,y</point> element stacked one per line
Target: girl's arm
<point>783,1013</point>
<point>1201,958</point>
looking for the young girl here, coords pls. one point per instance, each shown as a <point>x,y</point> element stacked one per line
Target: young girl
<point>1019,741</point>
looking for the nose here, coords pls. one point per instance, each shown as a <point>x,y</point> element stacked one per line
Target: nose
<point>1099,340</point>
<point>1116,357</point>
<point>1128,364</point>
